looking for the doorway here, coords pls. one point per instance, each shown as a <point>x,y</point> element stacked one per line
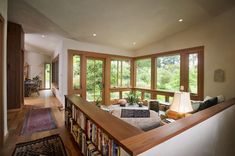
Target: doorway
<point>47,76</point>
<point>94,79</point>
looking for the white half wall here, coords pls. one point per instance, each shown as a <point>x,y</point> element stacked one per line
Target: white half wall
<point>3,12</point>
<point>62,51</point>
<point>217,35</point>
<point>36,62</point>
<point>213,137</point>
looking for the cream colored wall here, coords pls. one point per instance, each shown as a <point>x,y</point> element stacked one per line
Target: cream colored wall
<point>3,12</point>
<point>36,62</point>
<point>213,137</point>
<point>217,35</point>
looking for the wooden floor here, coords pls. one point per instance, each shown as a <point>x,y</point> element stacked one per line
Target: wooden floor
<point>16,120</point>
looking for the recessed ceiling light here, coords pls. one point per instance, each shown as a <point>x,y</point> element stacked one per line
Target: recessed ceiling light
<point>134,43</point>
<point>180,20</point>
<point>94,35</point>
<point>43,36</point>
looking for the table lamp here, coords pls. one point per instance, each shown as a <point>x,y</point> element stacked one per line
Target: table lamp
<point>180,106</point>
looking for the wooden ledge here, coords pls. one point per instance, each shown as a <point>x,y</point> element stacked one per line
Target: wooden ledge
<point>145,141</point>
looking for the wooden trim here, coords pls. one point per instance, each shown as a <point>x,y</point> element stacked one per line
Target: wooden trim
<point>107,69</point>
<point>1,80</point>
<point>144,141</point>
<point>101,55</point>
<point>172,52</point>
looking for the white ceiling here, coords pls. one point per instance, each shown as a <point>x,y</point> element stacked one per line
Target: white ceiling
<point>117,23</point>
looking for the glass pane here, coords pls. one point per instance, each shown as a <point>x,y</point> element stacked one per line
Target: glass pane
<point>76,72</point>
<point>114,95</point>
<point>125,94</point>
<point>114,73</point>
<point>193,73</point>
<point>168,73</point>
<point>143,73</point>
<point>170,99</point>
<point>161,98</point>
<point>94,80</point>
<point>126,72</point>
<point>120,73</point>
<point>147,96</point>
<point>138,94</point>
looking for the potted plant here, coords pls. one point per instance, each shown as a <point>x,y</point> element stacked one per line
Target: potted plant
<point>132,98</point>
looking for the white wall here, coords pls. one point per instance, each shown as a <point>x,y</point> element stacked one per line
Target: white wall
<point>3,12</point>
<point>217,35</point>
<point>213,137</point>
<point>36,62</point>
<point>62,51</point>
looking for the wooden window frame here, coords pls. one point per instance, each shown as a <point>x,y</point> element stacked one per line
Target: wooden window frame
<point>183,72</point>
<point>118,59</point>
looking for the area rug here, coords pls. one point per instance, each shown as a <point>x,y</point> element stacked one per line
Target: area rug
<point>38,119</point>
<point>48,146</point>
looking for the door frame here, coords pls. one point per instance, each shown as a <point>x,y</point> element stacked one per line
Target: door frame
<point>103,74</point>
<point>2,22</point>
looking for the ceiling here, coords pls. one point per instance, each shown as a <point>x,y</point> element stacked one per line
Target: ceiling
<point>117,23</point>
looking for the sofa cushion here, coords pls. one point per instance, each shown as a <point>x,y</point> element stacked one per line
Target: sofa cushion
<point>208,103</point>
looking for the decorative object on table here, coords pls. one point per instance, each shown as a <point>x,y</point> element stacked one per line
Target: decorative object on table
<point>219,75</point>
<point>132,98</point>
<point>140,104</point>
<point>122,102</point>
<point>180,106</point>
<point>38,119</point>
<point>154,105</point>
<point>51,145</point>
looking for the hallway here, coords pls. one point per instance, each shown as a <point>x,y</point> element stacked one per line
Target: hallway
<point>16,121</point>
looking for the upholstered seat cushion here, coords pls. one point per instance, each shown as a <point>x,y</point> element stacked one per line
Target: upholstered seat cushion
<point>142,123</point>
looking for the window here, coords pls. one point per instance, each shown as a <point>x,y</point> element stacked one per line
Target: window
<point>168,73</point>
<point>147,96</point>
<point>76,72</point>
<point>120,73</point>
<point>143,73</point>
<point>94,80</point>
<point>125,94</point>
<point>55,72</point>
<point>193,73</point>
<point>161,98</point>
<point>138,94</point>
<point>114,95</point>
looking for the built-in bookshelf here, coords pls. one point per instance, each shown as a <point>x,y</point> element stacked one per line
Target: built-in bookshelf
<point>95,131</point>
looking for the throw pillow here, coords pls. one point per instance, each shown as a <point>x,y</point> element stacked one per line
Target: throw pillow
<point>208,103</point>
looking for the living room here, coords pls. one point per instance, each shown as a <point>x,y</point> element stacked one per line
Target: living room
<point>126,47</point>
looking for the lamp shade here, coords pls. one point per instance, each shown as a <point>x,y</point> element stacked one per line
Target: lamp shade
<point>181,103</point>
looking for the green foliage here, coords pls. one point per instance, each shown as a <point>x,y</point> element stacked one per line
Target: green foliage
<point>94,78</point>
<point>132,98</point>
<point>143,73</point>
<point>76,71</point>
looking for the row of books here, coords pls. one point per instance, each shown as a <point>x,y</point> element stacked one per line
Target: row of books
<point>79,117</point>
<point>91,139</point>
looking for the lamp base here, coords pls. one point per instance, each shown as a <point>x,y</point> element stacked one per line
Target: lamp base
<point>174,115</point>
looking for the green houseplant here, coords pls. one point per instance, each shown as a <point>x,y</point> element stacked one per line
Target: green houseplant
<point>132,98</point>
